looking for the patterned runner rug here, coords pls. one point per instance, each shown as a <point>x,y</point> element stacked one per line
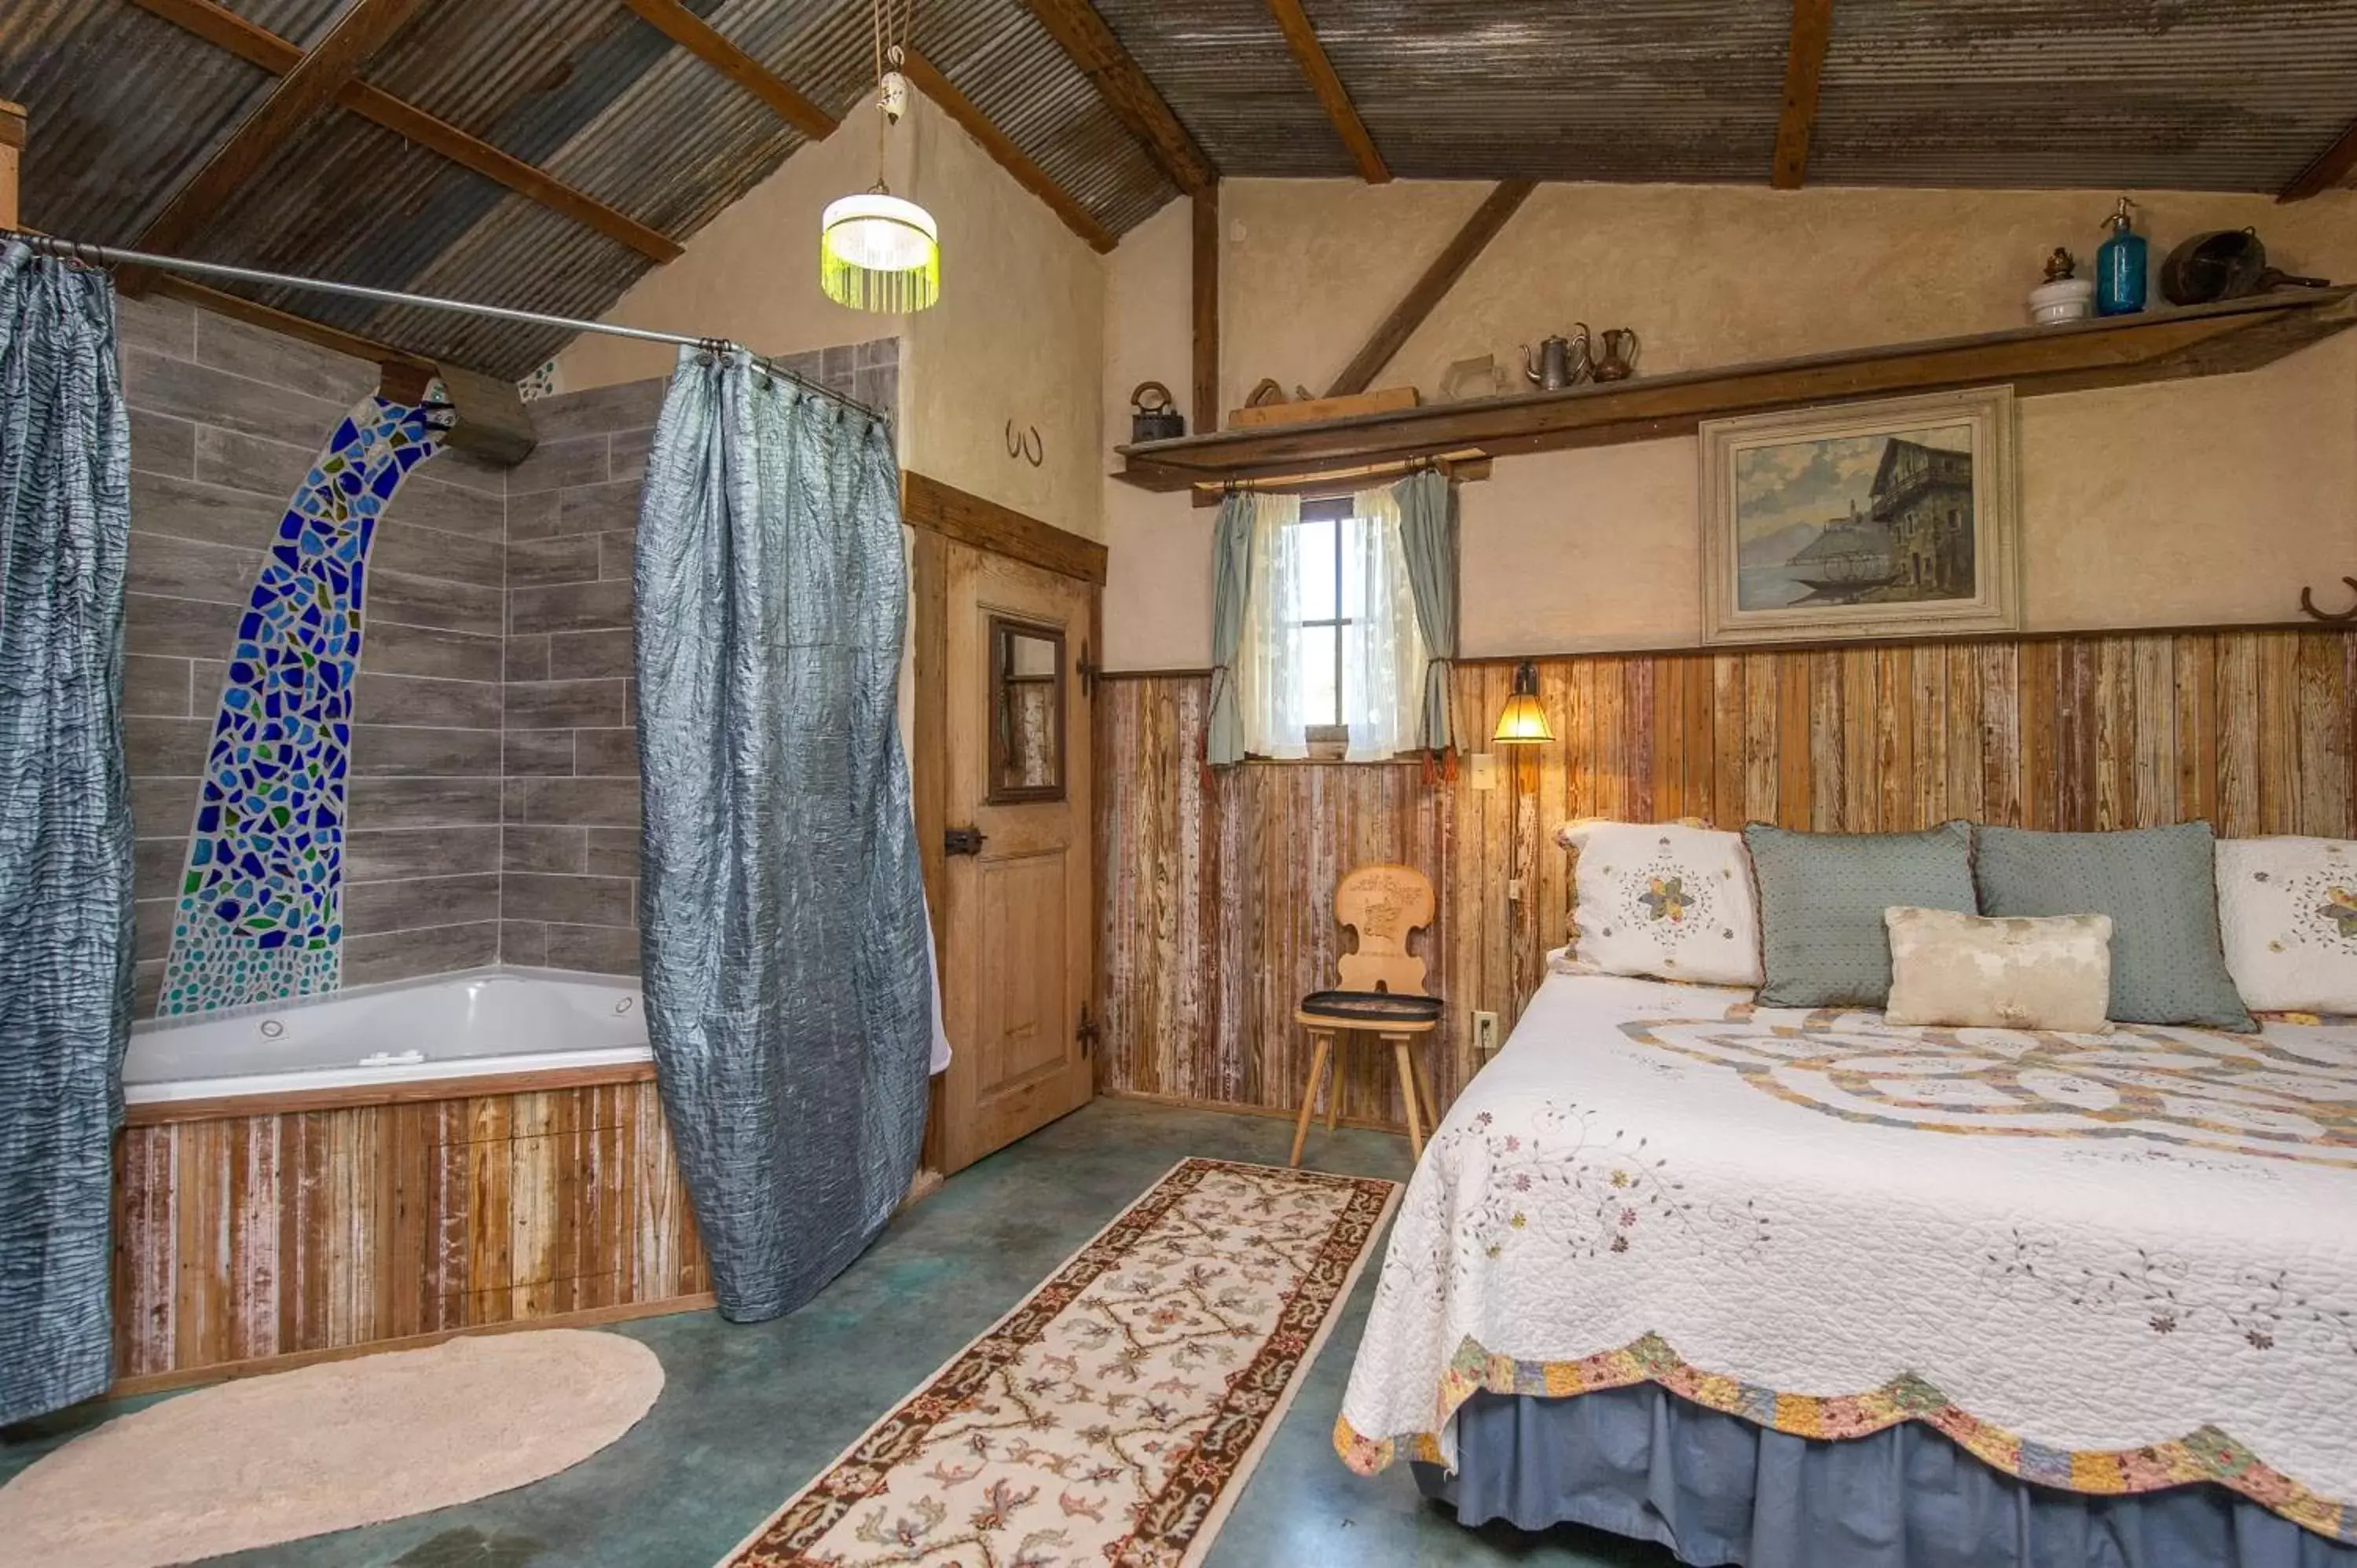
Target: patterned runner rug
<point>1113,1417</point>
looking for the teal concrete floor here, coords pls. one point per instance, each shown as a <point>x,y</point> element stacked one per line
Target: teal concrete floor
<point>751,1414</point>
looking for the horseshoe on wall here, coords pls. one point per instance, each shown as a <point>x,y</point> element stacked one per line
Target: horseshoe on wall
<point>2308,605</point>
<point>1028,447</point>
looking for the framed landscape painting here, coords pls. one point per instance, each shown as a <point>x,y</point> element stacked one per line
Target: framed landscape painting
<point>1894,517</point>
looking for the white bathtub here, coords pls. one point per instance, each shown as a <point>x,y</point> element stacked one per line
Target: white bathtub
<point>479,1024</point>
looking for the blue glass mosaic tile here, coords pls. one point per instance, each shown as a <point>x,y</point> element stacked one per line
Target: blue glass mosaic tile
<point>261,902</point>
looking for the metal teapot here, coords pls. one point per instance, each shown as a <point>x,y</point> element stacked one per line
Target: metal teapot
<point>1615,358</point>
<point>1561,362</point>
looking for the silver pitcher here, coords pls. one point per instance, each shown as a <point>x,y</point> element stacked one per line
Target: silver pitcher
<point>1561,362</point>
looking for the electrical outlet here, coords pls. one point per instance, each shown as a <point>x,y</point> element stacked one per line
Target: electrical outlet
<point>1485,1034</point>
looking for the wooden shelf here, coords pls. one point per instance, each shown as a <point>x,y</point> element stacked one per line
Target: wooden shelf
<point>2121,350</point>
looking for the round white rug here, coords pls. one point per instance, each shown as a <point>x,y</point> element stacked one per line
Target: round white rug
<point>329,1447</point>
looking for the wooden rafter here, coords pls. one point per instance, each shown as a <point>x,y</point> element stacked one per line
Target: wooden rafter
<point>1301,36</point>
<point>225,29</point>
<point>1127,90</point>
<point>1804,70</point>
<point>1428,290</point>
<point>12,145</point>
<point>300,96</point>
<point>693,33</point>
<point>1205,286</point>
<point>927,79</point>
<point>2329,168</point>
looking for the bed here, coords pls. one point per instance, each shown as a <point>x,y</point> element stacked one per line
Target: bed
<point>2052,1298</point>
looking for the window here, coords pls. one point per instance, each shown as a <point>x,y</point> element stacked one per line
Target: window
<point>1323,611</point>
<point>1332,662</point>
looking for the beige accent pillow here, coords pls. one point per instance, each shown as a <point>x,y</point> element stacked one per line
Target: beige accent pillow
<point>2051,971</point>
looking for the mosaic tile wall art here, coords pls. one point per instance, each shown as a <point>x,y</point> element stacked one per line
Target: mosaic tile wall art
<point>259,917</point>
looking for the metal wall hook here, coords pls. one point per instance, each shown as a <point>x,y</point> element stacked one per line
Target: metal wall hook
<point>1026,445</point>
<point>2344,618</point>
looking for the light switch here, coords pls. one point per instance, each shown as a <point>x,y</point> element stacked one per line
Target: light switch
<point>1481,771</point>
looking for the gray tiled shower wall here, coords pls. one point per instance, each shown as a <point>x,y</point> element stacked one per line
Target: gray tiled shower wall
<point>570,861</point>
<point>493,801</point>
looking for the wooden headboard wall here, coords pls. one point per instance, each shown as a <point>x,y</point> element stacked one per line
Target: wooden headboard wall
<point>1219,897</point>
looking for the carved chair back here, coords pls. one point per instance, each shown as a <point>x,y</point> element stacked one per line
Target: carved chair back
<point>1382,903</point>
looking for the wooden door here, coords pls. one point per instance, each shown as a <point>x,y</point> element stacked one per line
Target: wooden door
<point>1014,883</point>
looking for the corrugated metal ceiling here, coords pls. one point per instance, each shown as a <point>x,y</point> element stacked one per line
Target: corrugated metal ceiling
<point>1980,92</point>
<point>2189,94</point>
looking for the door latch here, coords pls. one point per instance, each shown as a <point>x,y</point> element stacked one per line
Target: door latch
<point>962,841</point>
<point>1086,1032</point>
<point>1088,670</point>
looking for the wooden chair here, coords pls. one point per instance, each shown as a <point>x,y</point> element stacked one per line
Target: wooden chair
<point>1382,993</point>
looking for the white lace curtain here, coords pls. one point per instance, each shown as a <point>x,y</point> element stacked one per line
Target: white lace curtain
<point>1284,684</point>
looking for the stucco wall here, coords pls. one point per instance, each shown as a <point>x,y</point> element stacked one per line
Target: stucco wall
<point>1018,335</point>
<point>2187,503</point>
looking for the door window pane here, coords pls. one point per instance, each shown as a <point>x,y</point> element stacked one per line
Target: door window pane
<point>1027,712</point>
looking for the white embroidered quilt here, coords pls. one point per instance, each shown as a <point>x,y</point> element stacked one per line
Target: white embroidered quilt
<point>2110,1263</point>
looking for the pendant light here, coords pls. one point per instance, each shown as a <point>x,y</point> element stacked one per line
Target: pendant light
<point>878,252</point>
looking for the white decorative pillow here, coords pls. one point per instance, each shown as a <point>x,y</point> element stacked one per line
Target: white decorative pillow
<point>1664,901</point>
<point>2287,911</point>
<point>2006,972</point>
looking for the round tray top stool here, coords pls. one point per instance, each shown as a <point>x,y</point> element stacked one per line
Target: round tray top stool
<point>1382,994</point>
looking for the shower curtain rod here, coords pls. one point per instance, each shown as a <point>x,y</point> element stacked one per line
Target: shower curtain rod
<point>108,256</point>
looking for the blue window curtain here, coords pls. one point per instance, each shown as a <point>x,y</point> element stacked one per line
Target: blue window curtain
<point>1427,504</point>
<point>789,992</point>
<point>1232,573</point>
<point>65,825</point>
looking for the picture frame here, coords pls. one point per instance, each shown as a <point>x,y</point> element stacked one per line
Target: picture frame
<point>1890,518</point>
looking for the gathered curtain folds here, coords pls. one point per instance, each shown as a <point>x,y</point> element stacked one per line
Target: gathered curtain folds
<point>1383,647</point>
<point>1427,514</point>
<point>65,825</point>
<point>1231,585</point>
<point>789,990</point>
<point>1269,676</point>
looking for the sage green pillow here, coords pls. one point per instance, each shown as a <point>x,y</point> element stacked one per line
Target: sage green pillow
<point>2159,885</point>
<point>1822,939</point>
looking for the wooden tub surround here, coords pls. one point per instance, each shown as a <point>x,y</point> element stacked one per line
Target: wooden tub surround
<point>251,1236</point>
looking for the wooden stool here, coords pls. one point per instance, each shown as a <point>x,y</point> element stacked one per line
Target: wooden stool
<point>1382,994</point>
<point>1328,1028</point>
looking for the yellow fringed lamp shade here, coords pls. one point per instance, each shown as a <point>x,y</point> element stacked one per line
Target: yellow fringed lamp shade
<point>878,252</point>
<point>1522,722</point>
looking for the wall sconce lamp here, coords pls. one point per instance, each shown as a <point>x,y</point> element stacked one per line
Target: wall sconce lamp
<point>1523,722</point>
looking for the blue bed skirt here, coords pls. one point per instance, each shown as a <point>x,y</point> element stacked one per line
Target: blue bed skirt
<point>1716,1489</point>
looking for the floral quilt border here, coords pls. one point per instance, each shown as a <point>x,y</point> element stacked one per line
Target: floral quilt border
<point>2205,1453</point>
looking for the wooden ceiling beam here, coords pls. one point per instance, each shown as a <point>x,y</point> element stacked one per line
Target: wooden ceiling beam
<point>928,80</point>
<point>1301,36</point>
<point>12,147</point>
<point>1804,70</point>
<point>365,28</point>
<point>1127,90</point>
<point>1429,290</point>
<point>2328,168</point>
<point>1205,303</point>
<point>225,29</point>
<point>699,38</point>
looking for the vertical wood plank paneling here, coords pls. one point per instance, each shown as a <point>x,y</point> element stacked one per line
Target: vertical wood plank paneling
<point>1219,912</point>
<point>247,1238</point>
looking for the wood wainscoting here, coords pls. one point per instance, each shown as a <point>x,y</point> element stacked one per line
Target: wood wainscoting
<point>1219,908</point>
<point>249,1242</point>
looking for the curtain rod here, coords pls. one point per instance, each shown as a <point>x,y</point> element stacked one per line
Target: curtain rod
<point>108,256</point>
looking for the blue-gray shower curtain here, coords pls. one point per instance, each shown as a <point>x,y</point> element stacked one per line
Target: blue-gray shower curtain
<point>65,825</point>
<point>788,994</point>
